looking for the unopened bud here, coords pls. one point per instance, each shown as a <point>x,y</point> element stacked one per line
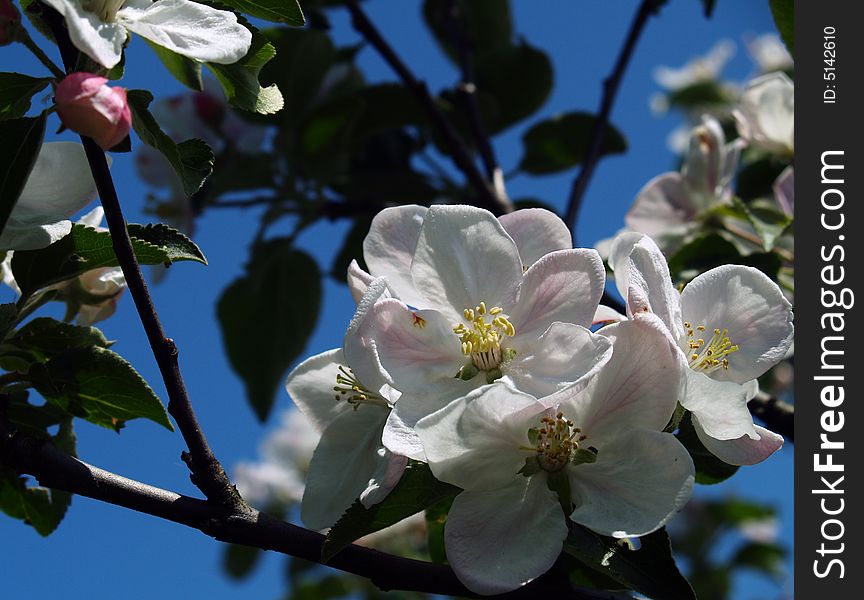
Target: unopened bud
<point>88,106</point>
<point>10,19</point>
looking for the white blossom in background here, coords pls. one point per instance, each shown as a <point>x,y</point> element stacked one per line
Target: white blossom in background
<point>769,53</point>
<point>59,185</point>
<point>478,299</point>
<point>602,443</point>
<point>348,402</point>
<point>697,70</point>
<point>784,191</point>
<point>99,28</point>
<point>731,324</point>
<point>765,114</point>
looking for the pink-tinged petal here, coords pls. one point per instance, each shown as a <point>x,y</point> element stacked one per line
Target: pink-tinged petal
<point>765,113</point>
<point>358,281</point>
<point>465,257</point>
<point>662,207</point>
<point>499,540</point>
<point>619,259</point>
<point>640,480</point>
<point>389,248</point>
<point>384,479</point>
<point>605,315</point>
<point>721,406</point>
<point>346,459</point>
<point>537,232</point>
<point>101,41</point>
<point>417,349</point>
<point>784,191</point>
<point>752,307</point>
<point>310,386</point>
<point>639,387</point>
<point>565,285</point>
<point>565,355</point>
<point>359,347</point>
<point>478,442</point>
<point>744,450</point>
<point>651,288</point>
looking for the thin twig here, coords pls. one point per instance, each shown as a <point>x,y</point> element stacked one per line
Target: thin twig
<point>598,129</point>
<point>243,525</point>
<point>486,196</point>
<point>24,37</point>
<point>206,471</point>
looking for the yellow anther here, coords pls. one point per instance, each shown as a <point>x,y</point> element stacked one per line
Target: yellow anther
<point>481,340</point>
<point>349,388</point>
<point>711,355</point>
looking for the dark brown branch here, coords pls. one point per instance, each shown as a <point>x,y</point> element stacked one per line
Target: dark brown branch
<point>601,123</point>
<point>486,196</point>
<point>207,472</point>
<point>243,525</point>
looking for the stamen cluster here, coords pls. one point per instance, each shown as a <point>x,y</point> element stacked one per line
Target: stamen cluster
<point>482,341</point>
<point>711,356</point>
<point>349,388</point>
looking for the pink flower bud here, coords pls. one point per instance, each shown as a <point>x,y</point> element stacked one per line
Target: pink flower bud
<point>10,18</point>
<point>89,107</point>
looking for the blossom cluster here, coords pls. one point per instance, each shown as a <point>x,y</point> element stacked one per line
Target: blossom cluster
<point>472,350</point>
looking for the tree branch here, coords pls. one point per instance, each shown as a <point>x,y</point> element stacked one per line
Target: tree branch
<point>486,196</point>
<point>206,471</point>
<point>598,129</point>
<point>244,525</point>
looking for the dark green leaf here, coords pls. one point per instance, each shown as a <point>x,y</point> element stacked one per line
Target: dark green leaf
<point>737,511</point>
<point>417,490</point>
<point>562,142</point>
<point>436,519</point>
<point>769,222</point>
<point>98,385</point>
<point>486,25</point>
<point>16,91</point>
<point>192,160</point>
<point>699,95</point>
<point>267,316</point>
<point>85,249</point>
<point>33,420</point>
<point>279,11</point>
<point>651,570</point>
<point>22,140</point>
<point>326,588</point>
<point>712,250</point>
<point>756,178</point>
<point>240,80</point>
<point>761,556</point>
<point>709,468</point>
<point>47,338</point>
<point>239,561</point>
<point>783,12</point>
<point>185,70</point>
<point>8,316</point>
<point>708,6</point>
<point>352,248</point>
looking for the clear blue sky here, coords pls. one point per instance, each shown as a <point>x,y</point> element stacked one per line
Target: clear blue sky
<point>101,551</point>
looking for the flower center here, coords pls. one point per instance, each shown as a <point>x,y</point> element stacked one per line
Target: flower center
<point>104,9</point>
<point>557,443</point>
<point>481,340</point>
<point>349,389</point>
<point>710,356</point>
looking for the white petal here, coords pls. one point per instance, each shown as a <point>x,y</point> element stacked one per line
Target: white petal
<point>765,113</point>
<point>662,207</point>
<point>389,248</point>
<point>465,257</point>
<point>359,347</point>
<point>358,280</point>
<point>399,434</point>
<point>640,480</point>
<point>537,232</point>
<point>59,185</point>
<point>619,258</point>
<point>565,285</point>
<point>93,218</point>
<point>565,355</point>
<point>346,459</point>
<point>752,307</point>
<point>32,237</point>
<point>101,41</point>
<point>784,190</point>
<point>477,442</point>
<point>311,384</point>
<point>639,387</point>
<point>499,540</point>
<point>605,314</point>
<point>721,406</point>
<point>384,479</point>
<point>743,451</point>
<point>651,288</point>
<point>189,29</point>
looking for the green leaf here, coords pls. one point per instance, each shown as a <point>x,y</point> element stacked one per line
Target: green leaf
<point>267,315</point>
<point>562,142</point>
<point>769,222</point>
<point>783,12</point>
<point>352,248</point>
<point>699,95</point>
<point>240,80</point>
<point>85,249</point>
<point>486,25</point>
<point>651,570</point>
<point>239,561</point>
<point>16,91</point>
<point>761,556</point>
<point>47,338</point>
<point>22,140</point>
<point>192,160</point>
<point>279,11</point>
<point>736,511</point>
<point>709,468</point>
<point>98,385</point>
<point>436,519</point>
<point>417,490</point>
<point>185,70</point>
<point>8,316</point>
<point>712,250</point>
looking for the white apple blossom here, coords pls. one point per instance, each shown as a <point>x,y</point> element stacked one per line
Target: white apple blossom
<point>471,310</point>
<point>769,53</point>
<point>346,399</point>
<point>601,448</point>
<point>59,186</point>
<point>784,191</point>
<point>99,28</point>
<point>697,70</point>
<point>766,113</point>
<point>731,324</point>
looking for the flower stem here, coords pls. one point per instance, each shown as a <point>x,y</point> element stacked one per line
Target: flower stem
<point>24,37</point>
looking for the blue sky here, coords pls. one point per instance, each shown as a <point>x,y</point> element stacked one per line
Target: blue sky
<point>101,551</point>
